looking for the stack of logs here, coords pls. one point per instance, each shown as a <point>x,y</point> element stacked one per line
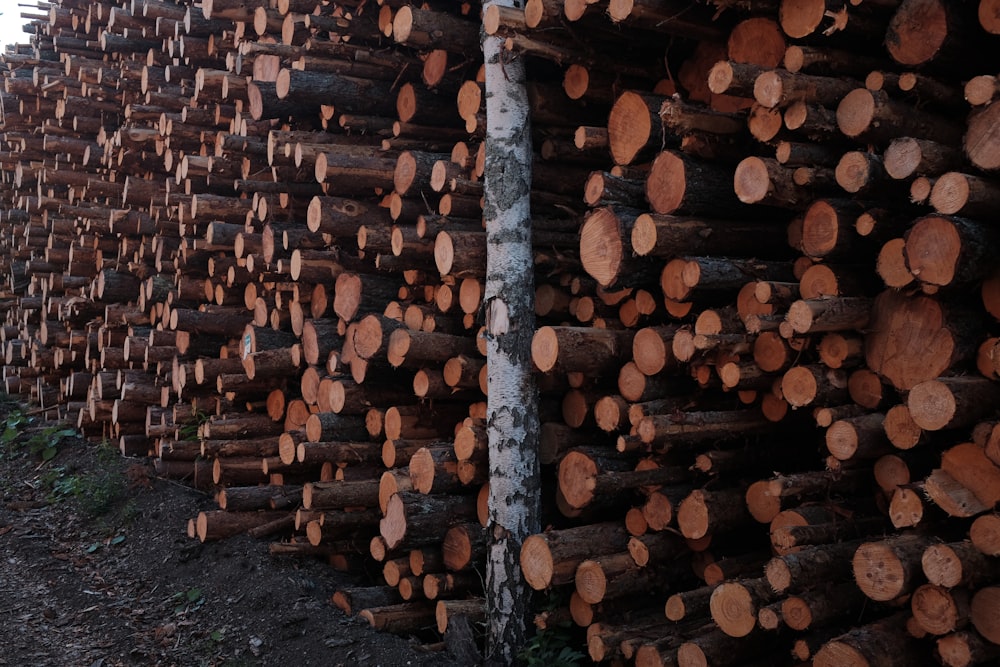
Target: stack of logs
<point>244,237</point>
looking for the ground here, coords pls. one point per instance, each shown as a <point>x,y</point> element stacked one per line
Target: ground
<point>97,570</point>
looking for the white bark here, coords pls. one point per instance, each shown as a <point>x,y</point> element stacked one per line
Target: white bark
<point>512,411</point>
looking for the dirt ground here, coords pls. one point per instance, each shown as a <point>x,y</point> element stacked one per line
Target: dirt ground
<point>96,570</point>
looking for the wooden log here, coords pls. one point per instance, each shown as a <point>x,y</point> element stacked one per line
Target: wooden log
<point>872,116</point>
<point>765,498</point>
<point>677,182</point>
<point>404,618</point>
<point>764,181</point>
<point>950,402</point>
<point>614,576</point>
<point>922,31</point>
<point>887,569</point>
<point>699,278</point>
<point>249,498</point>
<point>705,512</point>
<point>415,519</point>
<point>352,599</point>
<point>605,251</point>
<point>219,525</point>
<point>779,88</point>
<point>698,426</point>
<point>803,385</point>
<point>580,349</point>
<point>861,437</point>
<point>982,613</point>
<point>662,235</point>
<point>884,642</point>
<point>581,480</point>
<point>964,648</point>
<point>985,534</point>
<point>940,611</point>
<point>339,495</point>
<point>802,570</point>
<point>902,360</point>
<point>639,123</point>
<point>447,610</point>
<point>969,467</point>
<point>550,559</point>
<point>951,260</point>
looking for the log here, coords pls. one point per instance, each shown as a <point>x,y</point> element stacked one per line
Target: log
<point>940,611</point>
<point>581,480</point>
<point>550,559</point>
<point>884,642</point>
<point>580,349</point>
<point>922,31</point>
<point>950,402</point>
<point>820,607</point>
<point>887,569</point>
<point>969,467</point>
<point>801,570</point>
<point>924,352</point>
<point>764,181</point>
<point>873,117</point>
<point>678,183</point>
<point>965,648</point>
<point>982,613</point>
<point>985,534</point>
<point>405,618</point>
<point>605,251</point>
<point>780,88</point>
<point>705,512</point>
<point>339,495</point>
<point>353,599</point>
<point>953,259</point>
<point>661,235</point>
<point>219,525</point>
<point>417,520</point>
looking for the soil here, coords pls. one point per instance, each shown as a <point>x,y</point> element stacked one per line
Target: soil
<point>96,569</point>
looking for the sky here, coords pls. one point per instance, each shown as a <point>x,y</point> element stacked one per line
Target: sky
<point>11,21</point>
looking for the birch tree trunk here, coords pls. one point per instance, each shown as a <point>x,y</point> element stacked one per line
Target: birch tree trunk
<point>512,411</point>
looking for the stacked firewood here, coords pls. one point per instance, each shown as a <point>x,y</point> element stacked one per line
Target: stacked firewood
<point>774,209</point>
<point>245,238</point>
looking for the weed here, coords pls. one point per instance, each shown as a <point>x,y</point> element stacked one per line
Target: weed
<point>187,601</point>
<point>109,542</point>
<point>96,492</point>
<point>42,442</point>
<point>552,647</point>
<point>189,430</point>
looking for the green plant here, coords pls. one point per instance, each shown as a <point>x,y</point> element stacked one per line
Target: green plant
<point>15,422</point>
<point>189,430</point>
<point>96,492</point>
<point>187,601</point>
<point>110,542</point>
<point>551,648</point>
<point>44,442</point>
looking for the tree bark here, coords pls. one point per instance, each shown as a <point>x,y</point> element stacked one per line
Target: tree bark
<point>512,416</point>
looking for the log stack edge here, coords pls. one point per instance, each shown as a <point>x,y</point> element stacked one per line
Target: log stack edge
<point>244,237</point>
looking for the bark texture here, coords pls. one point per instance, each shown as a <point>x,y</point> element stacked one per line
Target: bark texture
<point>512,416</point>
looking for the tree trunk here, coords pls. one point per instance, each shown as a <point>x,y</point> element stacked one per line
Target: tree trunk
<point>512,413</point>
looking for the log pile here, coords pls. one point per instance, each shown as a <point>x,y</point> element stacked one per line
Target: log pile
<point>245,238</point>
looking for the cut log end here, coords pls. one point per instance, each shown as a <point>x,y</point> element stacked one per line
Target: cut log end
<point>856,112</point>
<point>536,562</point>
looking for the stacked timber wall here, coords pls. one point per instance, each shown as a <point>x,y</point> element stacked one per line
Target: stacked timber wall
<point>244,237</point>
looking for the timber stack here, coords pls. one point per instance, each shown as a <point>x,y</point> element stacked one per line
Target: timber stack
<point>244,237</point>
